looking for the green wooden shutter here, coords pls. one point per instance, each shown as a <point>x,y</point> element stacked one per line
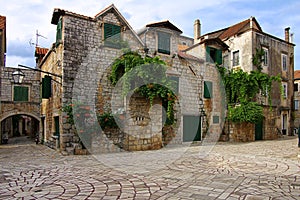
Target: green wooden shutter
<point>46,87</point>
<point>219,57</point>
<point>208,89</point>
<point>58,32</point>
<point>164,40</point>
<point>208,59</point>
<point>20,93</point>
<point>112,35</point>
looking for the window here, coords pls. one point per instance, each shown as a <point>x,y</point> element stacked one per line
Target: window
<point>164,40</point>
<point>284,87</point>
<point>213,55</point>
<point>112,36</point>
<point>235,56</point>
<point>21,93</point>
<point>284,62</point>
<point>46,87</point>
<point>226,61</point>
<point>296,104</point>
<point>208,89</point>
<point>295,87</point>
<point>58,32</point>
<point>265,57</point>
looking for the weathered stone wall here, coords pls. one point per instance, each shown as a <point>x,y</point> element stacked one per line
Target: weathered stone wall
<point>242,132</point>
<point>8,106</point>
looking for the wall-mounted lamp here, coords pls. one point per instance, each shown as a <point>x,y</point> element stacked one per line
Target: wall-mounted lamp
<point>18,76</point>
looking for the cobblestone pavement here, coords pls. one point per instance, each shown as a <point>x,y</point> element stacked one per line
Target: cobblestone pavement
<point>256,170</point>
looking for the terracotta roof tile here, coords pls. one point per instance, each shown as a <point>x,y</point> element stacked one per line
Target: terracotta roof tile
<point>233,30</point>
<point>41,51</point>
<point>165,24</point>
<point>182,47</point>
<point>297,74</point>
<point>188,56</point>
<point>2,22</point>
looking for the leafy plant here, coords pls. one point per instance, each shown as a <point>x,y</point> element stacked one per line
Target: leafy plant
<point>107,120</point>
<point>242,89</point>
<point>148,79</point>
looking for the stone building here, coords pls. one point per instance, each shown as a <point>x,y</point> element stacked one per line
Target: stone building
<point>296,114</point>
<point>20,104</point>
<point>234,48</point>
<point>82,55</point>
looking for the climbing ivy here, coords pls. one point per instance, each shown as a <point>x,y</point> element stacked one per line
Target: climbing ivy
<point>242,89</point>
<point>148,72</point>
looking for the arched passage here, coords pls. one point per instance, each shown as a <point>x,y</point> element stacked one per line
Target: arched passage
<point>18,127</point>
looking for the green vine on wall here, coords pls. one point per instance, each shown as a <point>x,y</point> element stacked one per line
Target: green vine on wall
<point>148,71</point>
<point>242,89</point>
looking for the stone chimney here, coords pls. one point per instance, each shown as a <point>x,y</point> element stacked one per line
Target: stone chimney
<point>287,34</point>
<point>197,30</point>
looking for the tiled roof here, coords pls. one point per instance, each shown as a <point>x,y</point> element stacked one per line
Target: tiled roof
<point>182,47</point>
<point>2,22</point>
<point>41,51</point>
<point>188,56</point>
<point>235,29</point>
<point>164,24</point>
<point>58,12</point>
<point>297,74</point>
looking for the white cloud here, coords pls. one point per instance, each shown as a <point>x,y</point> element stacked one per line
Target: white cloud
<point>25,17</point>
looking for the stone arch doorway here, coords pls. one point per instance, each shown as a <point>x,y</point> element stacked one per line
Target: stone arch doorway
<point>18,128</point>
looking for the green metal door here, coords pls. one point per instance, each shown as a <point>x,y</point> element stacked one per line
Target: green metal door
<point>191,128</point>
<point>259,130</point>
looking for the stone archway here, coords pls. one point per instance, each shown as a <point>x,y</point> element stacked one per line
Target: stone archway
<point>16,126</point>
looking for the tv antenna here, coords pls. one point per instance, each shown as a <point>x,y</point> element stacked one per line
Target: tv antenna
<point>37,35</point>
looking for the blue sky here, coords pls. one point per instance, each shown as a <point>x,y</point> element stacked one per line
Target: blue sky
<point>27,16</point>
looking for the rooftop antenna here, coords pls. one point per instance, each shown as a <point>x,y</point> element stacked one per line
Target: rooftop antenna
<point>37,35</point>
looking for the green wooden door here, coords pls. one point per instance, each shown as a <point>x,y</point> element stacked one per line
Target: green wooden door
<point>259,130</point>
<point>191,128</point>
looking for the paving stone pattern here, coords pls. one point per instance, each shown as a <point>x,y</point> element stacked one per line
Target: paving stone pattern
<point>256,170</point>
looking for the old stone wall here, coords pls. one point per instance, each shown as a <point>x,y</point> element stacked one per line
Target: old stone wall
<point>242,132</point>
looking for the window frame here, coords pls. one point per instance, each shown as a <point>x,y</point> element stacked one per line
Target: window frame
<point>265,57</point>
<point>296,87</point>
<point>208,89</point>
<point>14,93</point>
<point>296,104</point>
<point>235,61</point>
<point>160,47</point>
<point>113,39</point>
<point>285,90</point>
<point>284,62</point>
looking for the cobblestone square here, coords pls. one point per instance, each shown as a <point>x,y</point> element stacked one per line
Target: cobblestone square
<point>256,170</point>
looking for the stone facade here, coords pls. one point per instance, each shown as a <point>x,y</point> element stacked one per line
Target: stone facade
<point>9,107</point>
<point>243,39</point>
<point>84,60</point>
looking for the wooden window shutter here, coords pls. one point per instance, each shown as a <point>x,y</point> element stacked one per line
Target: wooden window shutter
<point>219,57</point>
<point>208,89</point>
<point>58,32</point>
<point>20,93</point>
<point>208,59</point>
<point>164,40</point>
<point>46,87</point>
<point>112,36</point>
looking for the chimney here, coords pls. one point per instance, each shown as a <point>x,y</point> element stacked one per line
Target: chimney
<point>197,30</point>
<point>287,34</point>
